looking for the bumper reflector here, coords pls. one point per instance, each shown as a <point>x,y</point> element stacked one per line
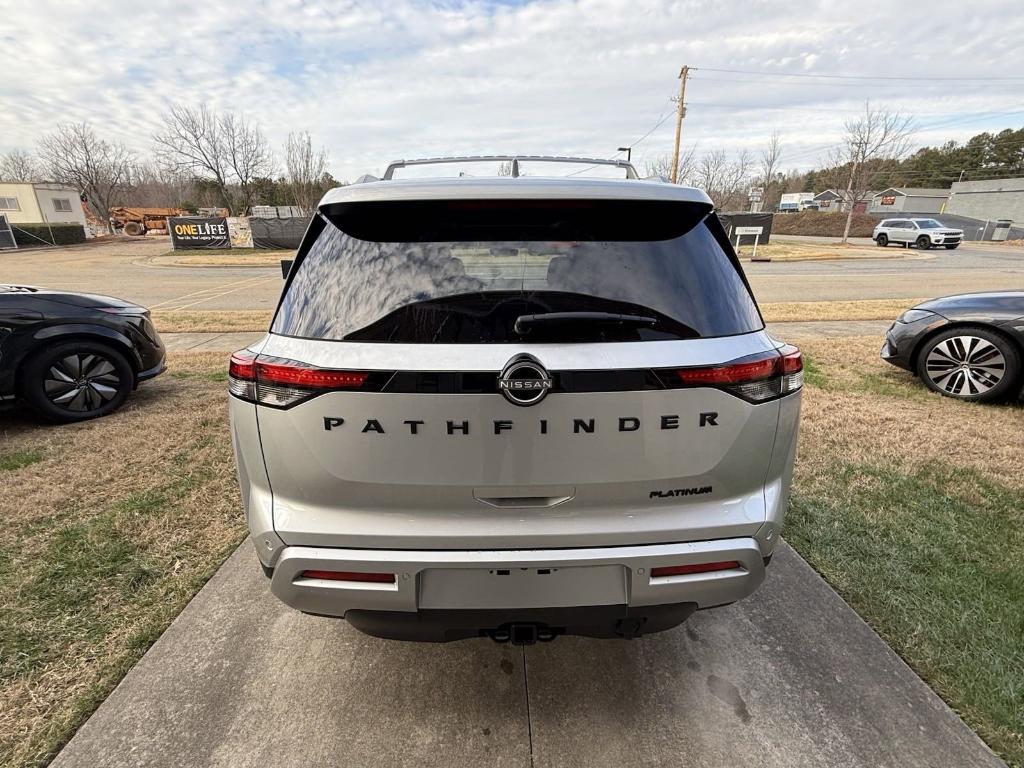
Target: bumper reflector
<point>375,578</point>
<point>686,570</point>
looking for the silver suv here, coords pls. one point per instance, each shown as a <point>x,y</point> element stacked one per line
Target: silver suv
<point>924,233</point>
<point>515,407</point>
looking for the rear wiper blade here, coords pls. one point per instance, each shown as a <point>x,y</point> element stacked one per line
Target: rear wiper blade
<point>525,322</point>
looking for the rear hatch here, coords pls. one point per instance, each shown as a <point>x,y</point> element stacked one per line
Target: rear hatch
<point>515,374</point>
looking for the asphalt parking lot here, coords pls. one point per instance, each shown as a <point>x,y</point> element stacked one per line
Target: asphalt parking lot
<point>972,267</point>
<point>789,677</point>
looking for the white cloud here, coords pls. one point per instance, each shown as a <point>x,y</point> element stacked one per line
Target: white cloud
<point>377,81</point>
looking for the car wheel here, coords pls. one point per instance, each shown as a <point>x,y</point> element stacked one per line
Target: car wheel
<point>882,240</point>
<point>923,243</point>
<point>75,381</point>
<point>952,247</point>
<point>970,364</point>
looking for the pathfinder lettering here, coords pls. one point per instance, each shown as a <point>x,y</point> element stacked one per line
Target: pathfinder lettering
<point>575,426</point>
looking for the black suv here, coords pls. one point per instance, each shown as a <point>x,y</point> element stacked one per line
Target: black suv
<point>73,356</point>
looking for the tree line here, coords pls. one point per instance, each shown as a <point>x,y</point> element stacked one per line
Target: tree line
<point>204,158</point>
<point>200,158</point>
<point>874,153</point>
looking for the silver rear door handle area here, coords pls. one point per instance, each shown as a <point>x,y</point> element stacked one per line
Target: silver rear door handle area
<point>524,498</point>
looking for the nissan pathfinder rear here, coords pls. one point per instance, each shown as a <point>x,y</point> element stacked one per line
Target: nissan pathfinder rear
<point>515,407</point>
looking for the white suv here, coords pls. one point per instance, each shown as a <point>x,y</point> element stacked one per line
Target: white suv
<point>924,233</point>
<point>515,407</point>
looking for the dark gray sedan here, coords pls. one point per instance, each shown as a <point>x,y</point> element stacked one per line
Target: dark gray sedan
<point>968,346</point>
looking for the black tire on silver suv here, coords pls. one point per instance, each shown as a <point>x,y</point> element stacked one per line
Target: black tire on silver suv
<point>76,380</point>
<point>882,240</point>
<point>924,242</point>
<point>970,363</point>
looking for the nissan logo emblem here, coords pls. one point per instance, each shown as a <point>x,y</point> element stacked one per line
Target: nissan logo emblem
<point>524,381</point>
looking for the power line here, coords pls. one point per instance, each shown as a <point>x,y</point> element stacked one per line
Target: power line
<point>763,83</point>
<point>666,113</point>
<point>762,73</point>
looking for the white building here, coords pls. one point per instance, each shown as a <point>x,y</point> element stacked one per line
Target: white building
<point>43,203</point>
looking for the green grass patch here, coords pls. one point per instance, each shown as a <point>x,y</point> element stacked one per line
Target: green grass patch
<point>91,574</point>
<point>814,375</point>
<point>933,559</point>
<point>18,459</point>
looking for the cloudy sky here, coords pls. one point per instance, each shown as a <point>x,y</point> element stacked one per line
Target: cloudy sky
<point>378,81</point>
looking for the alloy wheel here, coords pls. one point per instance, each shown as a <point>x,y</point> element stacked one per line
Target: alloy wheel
<point>964,366</point>
<point>81,382</point>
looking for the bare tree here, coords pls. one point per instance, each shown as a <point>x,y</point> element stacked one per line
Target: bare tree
<point>77,156</point>
<point>877,134</point>
<point>223,149</point>
<point>156,187</point>
<point>20,166</point>
<point>770,158</point>
<point>305,167</point>
<point>662,166</point>
<point>723,179</point>
<point>249,155</point>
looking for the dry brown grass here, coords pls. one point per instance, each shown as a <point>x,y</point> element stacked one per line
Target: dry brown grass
<point>236,257</point>
<point>211,321</point>
<point>786,251</point>
<point>106,536</point>
<point>822,224</point>
<point>228,321</point>
<point>863,409</point>
<point>865,309</point>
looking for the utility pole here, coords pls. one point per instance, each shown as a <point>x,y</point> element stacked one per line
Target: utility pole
<point>680,114</point>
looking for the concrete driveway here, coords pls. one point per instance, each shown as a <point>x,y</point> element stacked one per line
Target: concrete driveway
<point>790,677</point>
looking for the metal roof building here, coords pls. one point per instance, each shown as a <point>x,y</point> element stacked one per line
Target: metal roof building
<point>908,200</point>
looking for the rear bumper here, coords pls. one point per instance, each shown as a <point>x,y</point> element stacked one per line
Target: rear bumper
<point>446,593</point>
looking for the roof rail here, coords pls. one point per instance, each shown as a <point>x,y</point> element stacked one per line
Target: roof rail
<point>515,160</point>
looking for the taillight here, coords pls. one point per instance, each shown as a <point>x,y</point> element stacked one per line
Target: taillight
<point>686,570</point>
<point>757,378</point>
<point>282,383</point>
<point>792,369</point>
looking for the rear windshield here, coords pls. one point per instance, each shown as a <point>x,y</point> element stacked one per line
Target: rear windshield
<point>464,272</point>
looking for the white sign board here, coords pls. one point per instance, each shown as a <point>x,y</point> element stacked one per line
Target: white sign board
<point>748,231</point>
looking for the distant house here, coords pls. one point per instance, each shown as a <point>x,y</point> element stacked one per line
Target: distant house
<point>41,204</point>
<point>834,201</point>
<point>908,200</point>
<point>828,201</point>
<point>27,203</point>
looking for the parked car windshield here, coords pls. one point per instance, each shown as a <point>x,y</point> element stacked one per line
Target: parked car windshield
<point>352,286</point>
<point>928,224</point>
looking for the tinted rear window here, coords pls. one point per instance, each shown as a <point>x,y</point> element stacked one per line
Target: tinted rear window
<point>464,271</point>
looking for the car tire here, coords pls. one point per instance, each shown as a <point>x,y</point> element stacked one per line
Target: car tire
<point>952,247</point>
<point>970,363</point>
<point>882,240</point>
<point>76,380</point>
<point>923,243</point>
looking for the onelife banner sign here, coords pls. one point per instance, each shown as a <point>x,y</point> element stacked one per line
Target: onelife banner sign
<point>199,232</point>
